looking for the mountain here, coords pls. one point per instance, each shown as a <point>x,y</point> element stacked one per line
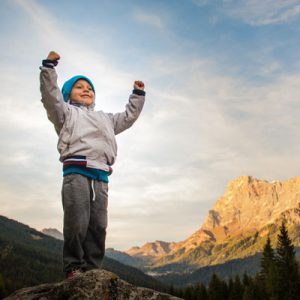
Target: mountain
<point>28,257</point>
<point>237,226</point>
<point>151,250</point>
<point>54,233</point>
<point>247,206</point>
<point>139,257</point>
<point>124,258</point>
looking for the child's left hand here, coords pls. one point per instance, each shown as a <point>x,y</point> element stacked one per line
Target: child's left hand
<point>139,85</point>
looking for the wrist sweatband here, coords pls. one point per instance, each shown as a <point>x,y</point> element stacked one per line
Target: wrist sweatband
<point>49,63</point>
<point>139,92</point>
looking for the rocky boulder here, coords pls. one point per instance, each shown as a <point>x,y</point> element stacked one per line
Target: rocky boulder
<point>95,284</point>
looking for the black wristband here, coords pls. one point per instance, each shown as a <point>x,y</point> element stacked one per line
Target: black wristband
<point>139,92</point>
<point>49,63</point>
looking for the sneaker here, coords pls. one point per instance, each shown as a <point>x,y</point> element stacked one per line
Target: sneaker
<point>73,273</point>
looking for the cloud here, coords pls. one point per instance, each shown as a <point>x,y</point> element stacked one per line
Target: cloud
<point>259,13</point>
<point>255,12</point>
<point>97,64</point>
<point>151,19</point>
<point>204,129</point>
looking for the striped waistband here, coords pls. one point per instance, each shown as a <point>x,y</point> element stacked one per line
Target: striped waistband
<point>80,162</point>
<point>76,160</point>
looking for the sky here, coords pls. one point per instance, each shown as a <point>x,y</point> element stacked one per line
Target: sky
<point>222,101</point>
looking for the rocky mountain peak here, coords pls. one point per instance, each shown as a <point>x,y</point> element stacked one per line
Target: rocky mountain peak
<point>153,249</point>
<point>249,204</point>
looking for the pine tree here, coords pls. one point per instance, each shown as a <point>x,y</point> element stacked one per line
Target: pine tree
<point>260,288</point>
<point>2,287</point>
<point>269,271</point>
<point>230,285</point>
<point>254,290</point>
<point>225,290</point>
<point>237,289</point>
<point>171,290</point>
<point>287,266</point>
<point>215,289</point>
<point>201,293</point>
<point>248,294</point>
<point>179,293</point>
<point>267,260</point>
<point>246,280</point>
<point>188,293</point>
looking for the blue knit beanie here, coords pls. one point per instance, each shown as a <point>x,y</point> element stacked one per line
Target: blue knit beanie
<point>68,85</point>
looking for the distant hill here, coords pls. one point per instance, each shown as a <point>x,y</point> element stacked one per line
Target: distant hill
<point>29,257</point>
<point>53,232</point>
<point>125,259</point>
<point>151,250</point>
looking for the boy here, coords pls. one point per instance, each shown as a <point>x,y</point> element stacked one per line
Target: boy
<point>88,149</point>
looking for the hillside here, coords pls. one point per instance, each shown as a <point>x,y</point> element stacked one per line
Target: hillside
<point>125,258</point>
<point>249,265</point>
<point>29,257</point>
<point>53,232</point>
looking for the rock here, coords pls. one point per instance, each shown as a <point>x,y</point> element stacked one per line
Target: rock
<point>95,284</point>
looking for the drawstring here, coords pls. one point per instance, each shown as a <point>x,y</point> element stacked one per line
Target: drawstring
<point>93,189</point>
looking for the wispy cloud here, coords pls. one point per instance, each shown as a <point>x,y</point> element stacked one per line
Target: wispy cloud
<point>96,64</point>
<point>151,19</point>
<point>201,133</point>
<point>256,12</point>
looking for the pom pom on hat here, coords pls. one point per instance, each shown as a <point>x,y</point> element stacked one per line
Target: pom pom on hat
<point>68,85</point>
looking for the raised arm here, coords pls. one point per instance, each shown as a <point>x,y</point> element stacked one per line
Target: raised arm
<point>124,120</point>
<point>52,98</point>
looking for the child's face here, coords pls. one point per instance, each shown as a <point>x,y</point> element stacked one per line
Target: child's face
<point>82,92</point>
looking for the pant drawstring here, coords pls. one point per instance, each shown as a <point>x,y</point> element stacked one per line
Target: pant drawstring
<point>93,189</point>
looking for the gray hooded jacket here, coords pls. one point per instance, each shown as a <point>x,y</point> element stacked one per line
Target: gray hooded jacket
<point>83,131</point>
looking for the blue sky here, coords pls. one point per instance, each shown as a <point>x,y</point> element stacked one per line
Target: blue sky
<point>222,82</point>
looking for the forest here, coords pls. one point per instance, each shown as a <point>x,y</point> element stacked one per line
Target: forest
<point>277,279</point>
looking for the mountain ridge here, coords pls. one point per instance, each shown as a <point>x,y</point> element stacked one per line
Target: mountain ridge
<point>53,232</point>
<point>248,210</point>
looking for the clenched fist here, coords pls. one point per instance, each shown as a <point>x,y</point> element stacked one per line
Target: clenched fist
<point>53,56</point>
<point>139,85</point>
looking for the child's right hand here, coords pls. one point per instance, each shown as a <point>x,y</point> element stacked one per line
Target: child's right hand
<point>53,56</point>
<point>139,85</point>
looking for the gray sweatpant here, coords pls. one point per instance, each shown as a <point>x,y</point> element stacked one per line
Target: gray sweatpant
<point>85,221</point>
